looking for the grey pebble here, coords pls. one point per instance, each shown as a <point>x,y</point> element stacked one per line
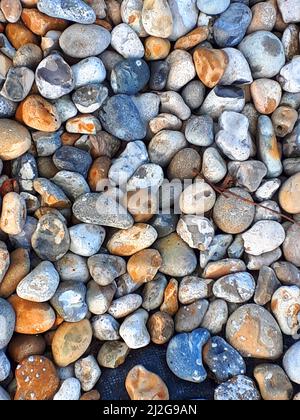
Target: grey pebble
<point>105,328</point>
<point>69,301</point>
<point>86,239</point>
<point>106,268</point>
<point>72,267</point>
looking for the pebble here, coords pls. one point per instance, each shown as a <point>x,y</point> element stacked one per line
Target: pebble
<point>159,75</point>
<point>46,143</point>
<point>23,240</point>
<point>7,322</point>
<point>193,288</point>
<point>40,24</point>
<point>213,166</point>
<point>239,388</point>
<point>40,285</point>
<point>130,76</point>
<point>289,10</point>
<point>266,95</point>
<point>113,354</point>
<point>215,317</point>
<point>121,118</point>
<point>290,41</point>
<point>90,98</point>
<point>264,53</point>
<point>210,65</point>
<point>274,384</point>
<point>198,198</point>
<point>182,70</point>
<point>267,284</point>
<point>268,189</point>
<point>235,288</point>
<point>153,293</point>
<point>83,41</point>
<point>164,146</point>
<point>284,119</point>
<point>68,391</point>
<point>51,194</point>
<point>170,303</point>
<point>91,70</point>
<point>18,84</point>
<point>99,298</point>
<point>72,159</point>
<point>178,259</point>
<point>173,103</point>
<point>192,39</point>
<point>51,240</point>
<point>160,327</point>
<point>87,372</point>
<point>237,71</point>
<point>134,331</point>
<point>126,42</point>
<point>86,239</point>
<point>263,17</point>
<point>11,10</point>
<point>253,332</point>
<point>23,346</point>
<point>186,164</point>
<point>285,304</point>
<point>221,268</point>
<point>185,16</point>
<point>105,328</point>
<point>248,174</point>
<point>268,147</point>
<point>148,176</point>
<point>291,363</point>
<point>193,94</point>
<point>223,98</point>
<point>37,379</point>
<point>129,242</point>
<point>13,214</point>
<point>69,301</point>
<point>15,140</point>
<point>124,306</point>
<point>144,265</point>
<point>263,214</point>
<point>32,317</point>
<point>156,48</point>
<point>141,384</point>
<point>288,194</point>
<point>198,232</point>
<point>184,355</point>
<point>264,236</point>
<point>230,28</point>
<point>71,183</point>
<point>157,18</point>
<point>75,11</point>
<point>74,339</point>
<point>212,8</point>
<point>131,13</point>
<point>106,268</point>
<point>190,317</point>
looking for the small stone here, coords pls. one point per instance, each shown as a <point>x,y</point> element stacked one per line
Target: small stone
<point>69,301</point>
<point>148,176</point>
<point>266,95</point>
<point>157,18</point>
<point>86,239</point>
<point>223,98</point>
<point>290,363</point>
<point>221,268</point>
<point>232,215</point>
<point>74,339</point>
<point>288,194</point>
<point>178,259</point>
<point>51,240</point>
<point>40,23</point>
<point>99,298</point>
<point>267,284</point>
<point>164,146</point>
<point>4,261</point>
<point>105,328</point>
<point>68,391</point>
<point>121,118</point>
<point>153,293</point>
<point>7,108</point>
<point>98,173</point>
<point>40,285</point>
<point>75,11</point>
<point>39,114</point>
<point>290,41</point>
<point>291,246</point>
<point>90,98</point>
<point>216,316</point>
<point>18,84</point>
<point>190,317</point>
<point>267,190</point>
<point>144,265</point>
<point>264,236</point>
<point>11,10</point>
<point>186,164</point>
<point>148,105</point>
<point>248,174</point>
<point>7,317</point>
<point>23,346</point>
<point>239,388</point>
<point>66,110</point>
<point>103,210</point>
<point>235,288</point>
<point>141,384</point>
<point>87,372</point>
<point>113,354</point>
<point>130,76</point>
<point>32,317</point>
<point>185,15</point>
<point>213,166</point>
<point>15,140</point>
<point>196,231</point>
<point>82,41</point>
<point>13,214</point>
<point>212,8</point>
<point>88,71</point>
<point>15,271</point>
<point>161,327</point>
<point>125,305</point>
<point>184,355</point>
<point>236,249</point>
<point>83,124</point>
<point>37,379</point>
<point>192,39</point>
<point>198,198</point>
<point>193,288</point>
<point>264,17</point>
<point>284,119</point>
<point>4,366</point>
<point>131,13</point>
<point>182,70</point>
<point>173,103</point>
<point>170,303</point>
<point>51,194</point>
<point>274,385</point>
<point>23,240</point>
<point>289,10</point>
<point>193,94</point>
<point>159,75</point>
<point>156,48</point>
<point>46,143</point>
<point>72,159</point>
<point>72,184</point>
<point>199,131</point>
<point>106,268</point>
<point>253,331</point>
<point>133,330</point>
<point>285,306</point>
<point>264,53</point>
<point>268,211</point>
<point>237,71</point>
<point>210,65</point>
<point>19,35</point>
<point>54,77</point>
<point>287,273</point>
<point>126,42</point>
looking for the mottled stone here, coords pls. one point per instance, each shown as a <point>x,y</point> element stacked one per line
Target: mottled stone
<point>198,232</point>
<point>144,265</point>
<point>274,384</point>
<point>15,139</point>
<point>124,306</point>
<point>210,65</point>
<point>105,328</point>
<point>113,354</point>
<point>190,317</point>
<point>141,384</point>
<point>157,18</point>
<point>235,288</point>
<point>288,195</point>
<point>134,331</point>
<point>87,372</point>
<point>161,327</point>
<point>126,42</point>
<point>133,240</point>
<point>106,268</point>
<point>216,316</point>
<point>68,391</point>
<point>264,236</point>
<point>239,388</point>
<point>75,11</point>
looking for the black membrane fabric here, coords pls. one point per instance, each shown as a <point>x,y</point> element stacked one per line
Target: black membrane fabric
<point>112,382</point>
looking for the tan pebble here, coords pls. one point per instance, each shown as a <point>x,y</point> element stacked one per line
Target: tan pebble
<point>31,317</point>
<point>156,48</point>
<point>141,384</point>
<point>98,173</point>
<point>91,396</point>
<point>143,266</point>
<point>289,195</point>
<point>22,346</point>
<point>186,164</point>
<point>284,119</point>
<point>18,269</point>
<point>15,139</point>
<point>113,354</point>
<point>218,269</point>
<point>161,327</point>
<point>19,35</point>
<point>266,95</point>
<point>142,205</point>
<point>165,122</point>
<point>11,9</point>
<point>114,11</point>
<point>170,304</point>
<point>210,65</point>
<point>13,216</point>
<point>192,39</point>
<point>40,24</point>
<point>71,341</point>
<point>157,18</point>
<point>263,17</point>
<point>274,384</point>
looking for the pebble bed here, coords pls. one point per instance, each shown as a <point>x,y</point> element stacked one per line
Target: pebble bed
<point>150,198</point>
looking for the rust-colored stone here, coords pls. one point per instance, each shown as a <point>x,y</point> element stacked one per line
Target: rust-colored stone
<point>98,173</point>
<point>170,304</point>
<point>40,24</point>
<point>192,39</point>
<point>143,266</point>
<point>22,346</point>
<point>91,396</point>
<point>18,269</point>
<point>210,65</point>
<point>156,48</point>
<point>19,35</point>
<point>141,384</point>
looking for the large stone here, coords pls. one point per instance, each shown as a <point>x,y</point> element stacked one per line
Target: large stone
<point>15,140</point>
<point>141,384</point>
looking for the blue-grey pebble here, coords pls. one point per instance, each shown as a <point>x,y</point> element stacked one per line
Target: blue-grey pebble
<point>73,184</point>
<point>230,28</point>
<point>7,323</point>
<point>165,224</point>
<point>223,360</point>
<point>184,355</point>
<point>4,366</point>
<point>214,7</point>
<point>130,76</point>
<point>23,239</point>
<point>121,118</point>
<point>291,144</point>
<point>69,301</point>
<point>25,170</point>
<point>159,75</point>
<point>46,143</point>
<point>73,10</point>
<point>7,107</point>
<point>268,147</point>
<point>72,159</point>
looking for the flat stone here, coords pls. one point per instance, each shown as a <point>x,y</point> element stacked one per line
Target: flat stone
<point>190,317</point>
<point>88,71</point>
<point>182,70</point>
<point>153,293</point>
<point>199,131</point>
<point>173,103</point>
<point>268,147</point>
<point>287,273</point>
<point>198,232</point>
<point>51,194</point>
<point>197,199</point>
<point>69,301</point>
<point>131,13</point>
<point>267,284</point>
<point>11,10</point>
<point>99,298</point>
<point>264,236</point>
<point>184,355</point>
<point>18,84</point>
<point>221,268</point>
<point>289,10</point>
<point>223,98</point>
<point>210,65</point>
<point>193,288</point>
<point>253,331</point>
<point>130,76</point>
<point>18,268</point>
<point>40,24</point>
<point>144,265</point>
<point>213,166</point>
<point>23,346</point>
<point>71,183</point>
<point>186,164</point>
<point>13,215</point>
<point>156,48</point>
<point>164,146</point>
<point>239,388</point>
<point>170,303</point>
<point>141,384</point>
<point>237,71</point>
<point>248,174</point>
<point>124,306</point>
<point>90,98</point>
<point>133,240</point>
<point>75,11</point>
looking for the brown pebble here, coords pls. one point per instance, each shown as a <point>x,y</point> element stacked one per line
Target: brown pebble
<point>98,173</point>
<point>170,304</point>
<point>91,396</point>
<point>143,266</point>
<point>104,144</point>
<point>161,327</point>
<point>274,385</point>
<point>210,65</point>
<point>40,24</point>
<point>19,35</point>
<point>141,384</point>
<point>157,48</point>
<point>284,119</point>
<point>192,39</point>
<point>22,346</point>
<point>18,269</point>
<point>186,164</point>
